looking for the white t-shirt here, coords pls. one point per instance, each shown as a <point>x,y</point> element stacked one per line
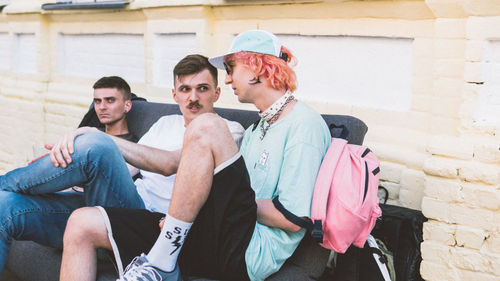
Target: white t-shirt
<point>168,134</point>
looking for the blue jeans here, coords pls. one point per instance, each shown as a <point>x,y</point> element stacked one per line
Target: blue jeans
<point>33,209</point>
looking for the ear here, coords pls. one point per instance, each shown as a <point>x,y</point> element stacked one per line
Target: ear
<point>174,95</point>
<point>128,106</point>
<point>217,94</point>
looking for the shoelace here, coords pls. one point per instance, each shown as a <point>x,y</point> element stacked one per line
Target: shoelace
<point>135,271</point>
<point>139,273</point>
<point>131,264</point>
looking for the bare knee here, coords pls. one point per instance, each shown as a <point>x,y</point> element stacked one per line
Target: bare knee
<point>209,129</point>
<point>209,132</point>
<point>206,126</point>
<point>86,226</point>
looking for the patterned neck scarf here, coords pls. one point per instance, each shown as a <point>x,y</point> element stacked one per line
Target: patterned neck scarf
<point>272,114</point>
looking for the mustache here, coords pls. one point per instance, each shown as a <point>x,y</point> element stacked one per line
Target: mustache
<point>194,104</point>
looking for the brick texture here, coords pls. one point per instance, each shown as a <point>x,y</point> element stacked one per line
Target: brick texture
<point>423,75</point>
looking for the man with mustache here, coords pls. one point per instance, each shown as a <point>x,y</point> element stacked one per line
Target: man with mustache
<point>96,161</point>
<point>223,222</point>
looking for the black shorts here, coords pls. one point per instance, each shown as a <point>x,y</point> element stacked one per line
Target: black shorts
<point>216,244</point>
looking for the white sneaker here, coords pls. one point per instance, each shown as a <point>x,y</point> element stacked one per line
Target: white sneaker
<point>141,270</point>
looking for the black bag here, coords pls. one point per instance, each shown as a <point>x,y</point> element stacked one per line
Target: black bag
<point>400,229</point>
<point>357,264</point>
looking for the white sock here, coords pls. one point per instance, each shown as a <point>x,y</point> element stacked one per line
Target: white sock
<point>168,245</point>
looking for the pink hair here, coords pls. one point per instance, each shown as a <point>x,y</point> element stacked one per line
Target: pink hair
<point>279,74</point>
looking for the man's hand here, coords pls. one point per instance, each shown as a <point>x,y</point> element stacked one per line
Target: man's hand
<point>60,152</point>
<point>132,170</point>
<point>48,146</point>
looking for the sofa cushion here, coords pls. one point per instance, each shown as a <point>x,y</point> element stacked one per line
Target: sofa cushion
<point>30,261</point>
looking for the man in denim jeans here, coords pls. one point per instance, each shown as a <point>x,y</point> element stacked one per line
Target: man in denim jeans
<point>34,210</point>
<point>26,214</point>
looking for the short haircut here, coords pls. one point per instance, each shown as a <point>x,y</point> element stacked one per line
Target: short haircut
<point>193,64</point>
<point>114,82</point>
<point>278,71</point>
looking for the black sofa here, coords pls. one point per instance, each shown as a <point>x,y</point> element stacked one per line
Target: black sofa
<point>30,261</point>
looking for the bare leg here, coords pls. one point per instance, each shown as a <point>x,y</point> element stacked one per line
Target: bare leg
<point>207,144</point>
<point>85,232</point>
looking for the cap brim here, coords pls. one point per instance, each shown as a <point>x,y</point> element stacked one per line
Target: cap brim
<point>218,62</point>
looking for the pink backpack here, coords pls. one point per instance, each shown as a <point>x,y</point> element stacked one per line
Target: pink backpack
<point>345,203</point>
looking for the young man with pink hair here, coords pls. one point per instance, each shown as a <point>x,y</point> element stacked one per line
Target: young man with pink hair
<point>222,222</point>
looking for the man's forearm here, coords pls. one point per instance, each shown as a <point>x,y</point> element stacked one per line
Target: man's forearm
<point>268,215</point>
<point>148,158</point>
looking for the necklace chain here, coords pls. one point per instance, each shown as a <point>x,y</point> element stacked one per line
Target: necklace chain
<point>271,119</point>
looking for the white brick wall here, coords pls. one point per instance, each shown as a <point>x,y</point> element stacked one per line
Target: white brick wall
<point>364,71</point>
<point>474,275</point>
<point>487,152</point>
<point>469,259</point>
<point>440,232</point>
<point>451,146</point>
<point>441,167</point>
<point>438,271</point>
<point>459,214</point>
<point>4,51</point>
<point>489,93</point>
<point>448,190</point>
<point>97,55</point>
<point>17,135</point>
<point>479,172</point>
<point>391,172</point>
<point>24,53</point>
<point>418,96</point>
<point>167,51</point>
<point>481,195</point>
<point>470,237</point>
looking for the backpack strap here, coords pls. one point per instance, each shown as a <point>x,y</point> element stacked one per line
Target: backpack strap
<point>290,216</point>
<point>381,260</point>
<point>386,192</point>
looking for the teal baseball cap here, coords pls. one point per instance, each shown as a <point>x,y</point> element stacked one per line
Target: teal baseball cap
<point>255,41</point>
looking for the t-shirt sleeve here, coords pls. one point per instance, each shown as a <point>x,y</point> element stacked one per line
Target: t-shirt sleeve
<point>237,131</point>
<point>301,163</point>
<point>297,178</point>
